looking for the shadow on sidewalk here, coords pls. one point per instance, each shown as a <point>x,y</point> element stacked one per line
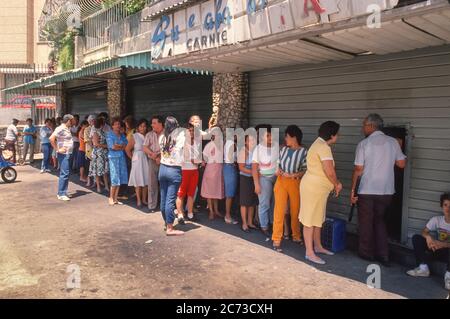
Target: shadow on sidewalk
<point>344,264</point>
<point>79,193</point>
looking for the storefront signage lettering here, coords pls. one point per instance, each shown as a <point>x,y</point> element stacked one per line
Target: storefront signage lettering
<point>257,5</point>
<point>220,22</point>
<point>212,24</point>
<point>254,5</point>
<point>206,41</point>
<point>316,5</point>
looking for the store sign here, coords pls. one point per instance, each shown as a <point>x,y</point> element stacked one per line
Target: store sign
<point>215,23</point>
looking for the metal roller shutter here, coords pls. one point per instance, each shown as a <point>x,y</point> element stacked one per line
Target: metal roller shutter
<point>87,102</point>
<point>410,89</point>
<point>180,96</point>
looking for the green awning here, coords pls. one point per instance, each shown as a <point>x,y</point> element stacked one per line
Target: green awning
<point>136,61</point>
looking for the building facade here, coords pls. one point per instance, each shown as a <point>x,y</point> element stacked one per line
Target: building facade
<point>23,56</point>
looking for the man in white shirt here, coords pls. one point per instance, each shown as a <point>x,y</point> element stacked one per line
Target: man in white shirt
<point>11,137</point>
<point>152,149</point>
<point>62,141</point>
<point>376,158</point>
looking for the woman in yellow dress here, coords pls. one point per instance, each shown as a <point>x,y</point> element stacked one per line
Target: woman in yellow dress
<point>317,184</point>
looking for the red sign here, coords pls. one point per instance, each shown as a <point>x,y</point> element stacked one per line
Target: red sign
<point>316,5</point>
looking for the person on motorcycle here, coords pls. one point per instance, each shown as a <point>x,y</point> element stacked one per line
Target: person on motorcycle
<point>11,138</point>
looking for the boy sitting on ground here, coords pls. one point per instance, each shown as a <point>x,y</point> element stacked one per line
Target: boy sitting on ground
<point>427,248</point>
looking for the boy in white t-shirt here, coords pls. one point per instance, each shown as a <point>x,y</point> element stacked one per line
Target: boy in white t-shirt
<point>426,246</point>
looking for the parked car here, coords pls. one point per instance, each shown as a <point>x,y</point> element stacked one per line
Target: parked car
<point>45,102</point>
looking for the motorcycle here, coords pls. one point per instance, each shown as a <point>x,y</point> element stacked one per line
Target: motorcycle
<point>7,172</point>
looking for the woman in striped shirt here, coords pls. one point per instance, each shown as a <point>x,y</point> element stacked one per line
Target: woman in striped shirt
<point>290,170</point>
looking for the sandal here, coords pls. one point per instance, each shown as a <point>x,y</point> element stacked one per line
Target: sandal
<point>231,221</point>
<point>253,227</point>
<point>299,242</point>
<point>316,260</point>
<point>245,230</point>
<point>277,248</point>
<point>174,232</point>
<point>266,232</point>
<point>324,252</point>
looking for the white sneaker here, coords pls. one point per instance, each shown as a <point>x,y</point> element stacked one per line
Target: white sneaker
<point>48,170</point>
<point>42,171</point>
<point>419,272</point>
<point>447,280</point>
<point>63,198</point>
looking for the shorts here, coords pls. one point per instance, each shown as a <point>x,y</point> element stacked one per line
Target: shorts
<point>189,182</point>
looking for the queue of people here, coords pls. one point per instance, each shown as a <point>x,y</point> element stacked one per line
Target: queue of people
<point>281,191</point>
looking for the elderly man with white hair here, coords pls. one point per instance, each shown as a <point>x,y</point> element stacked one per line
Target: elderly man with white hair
<point>376,157</point>
<point>62,141</point>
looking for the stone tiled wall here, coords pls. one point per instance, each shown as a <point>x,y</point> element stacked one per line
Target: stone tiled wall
<point>230,100</point>
<point>116,94</point>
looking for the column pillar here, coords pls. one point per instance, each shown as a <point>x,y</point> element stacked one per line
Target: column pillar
<point>230,100</point>
<point>116,94</point>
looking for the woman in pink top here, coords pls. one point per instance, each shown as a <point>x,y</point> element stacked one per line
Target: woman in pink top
<point>212,183</point>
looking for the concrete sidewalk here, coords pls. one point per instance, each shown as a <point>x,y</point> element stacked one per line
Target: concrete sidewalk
<point>41,236</point>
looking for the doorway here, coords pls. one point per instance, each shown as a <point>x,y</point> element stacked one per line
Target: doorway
<point>394,213</point>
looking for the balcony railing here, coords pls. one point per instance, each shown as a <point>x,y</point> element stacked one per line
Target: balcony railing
<point>56,13</point>
<point>96,26</point>
<point>129,35</point>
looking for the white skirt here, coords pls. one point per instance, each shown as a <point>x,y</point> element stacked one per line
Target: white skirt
<point>139,170</point>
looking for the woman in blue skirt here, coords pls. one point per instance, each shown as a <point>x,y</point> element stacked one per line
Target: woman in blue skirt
<point>118,172</point>
<point>230,177</point>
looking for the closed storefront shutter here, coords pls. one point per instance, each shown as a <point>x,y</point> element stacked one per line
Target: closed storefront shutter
<point>87,102</point>
<point>409,90</point>
<point>177,95</point>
